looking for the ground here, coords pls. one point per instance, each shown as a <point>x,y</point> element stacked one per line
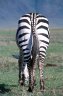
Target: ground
<point>53,68</point>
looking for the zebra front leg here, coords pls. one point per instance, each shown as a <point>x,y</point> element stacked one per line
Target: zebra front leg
<point>41,64</point>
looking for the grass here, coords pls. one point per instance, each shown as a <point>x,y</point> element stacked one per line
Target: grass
<point>53,69</point>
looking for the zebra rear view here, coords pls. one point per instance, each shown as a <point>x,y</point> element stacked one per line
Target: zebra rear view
<point>32,38</point>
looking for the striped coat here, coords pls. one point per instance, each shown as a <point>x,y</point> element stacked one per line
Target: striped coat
<point>32,38</point>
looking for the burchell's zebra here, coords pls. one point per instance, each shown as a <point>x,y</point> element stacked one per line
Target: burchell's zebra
<point>32,38</point>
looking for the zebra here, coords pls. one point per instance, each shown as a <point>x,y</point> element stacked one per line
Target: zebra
<point>32,38</point>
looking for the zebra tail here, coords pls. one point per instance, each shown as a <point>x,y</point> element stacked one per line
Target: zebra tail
<point>35,48</point>
<point>35,41</point>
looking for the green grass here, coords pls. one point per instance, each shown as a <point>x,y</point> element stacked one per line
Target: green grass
<point>53,75</point>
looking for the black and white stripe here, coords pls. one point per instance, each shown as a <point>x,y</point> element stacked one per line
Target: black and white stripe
<point>24,36</point>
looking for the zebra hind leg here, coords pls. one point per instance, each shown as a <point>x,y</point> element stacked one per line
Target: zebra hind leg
<point>21,75</point>
<point>41,63</point>
<point>31,78</point>
<point>22,80</point>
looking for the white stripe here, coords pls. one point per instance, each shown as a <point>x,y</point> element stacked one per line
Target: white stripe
<point>24,24</point>
<point>42,18</point>
<point>43,44</point>
<point>25,18</point>
<point>27,36</point>
<point>42,49</point>
<point>40,37</point>
<point>38,31</point>
<point>43,53</point>
<point>42,24</point>
<point>24,31</point>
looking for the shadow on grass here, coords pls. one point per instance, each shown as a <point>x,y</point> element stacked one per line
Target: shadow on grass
<point>6,88</point>
<point>3,88</point>
<point>54,65</point>
<point>51,65</point>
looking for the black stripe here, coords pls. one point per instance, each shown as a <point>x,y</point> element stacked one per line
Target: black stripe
<point>43,47</point>
<point>41,55</point>
<point>33,18</point>
<point>25,49</point>
<point>23,41</point>
<point>40,16</point>
<point>23,45</point>
<point>48,35</point>
<point>27,57</point>
<point>26,16</point>
<point>27,60</point>
<point>43,27</point>
<point>24,20</point>
<point>43,34</point>
<point>26,53</point>
<point>42,52</point>
<point>23,34</point>
<point>44,41</point>
<point>42,20</point>
<point>23,27</point>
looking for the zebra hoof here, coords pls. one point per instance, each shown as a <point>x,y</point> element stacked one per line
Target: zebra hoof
<point>30,89</point>
<point>42,89</point>
<point>21,82</point>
